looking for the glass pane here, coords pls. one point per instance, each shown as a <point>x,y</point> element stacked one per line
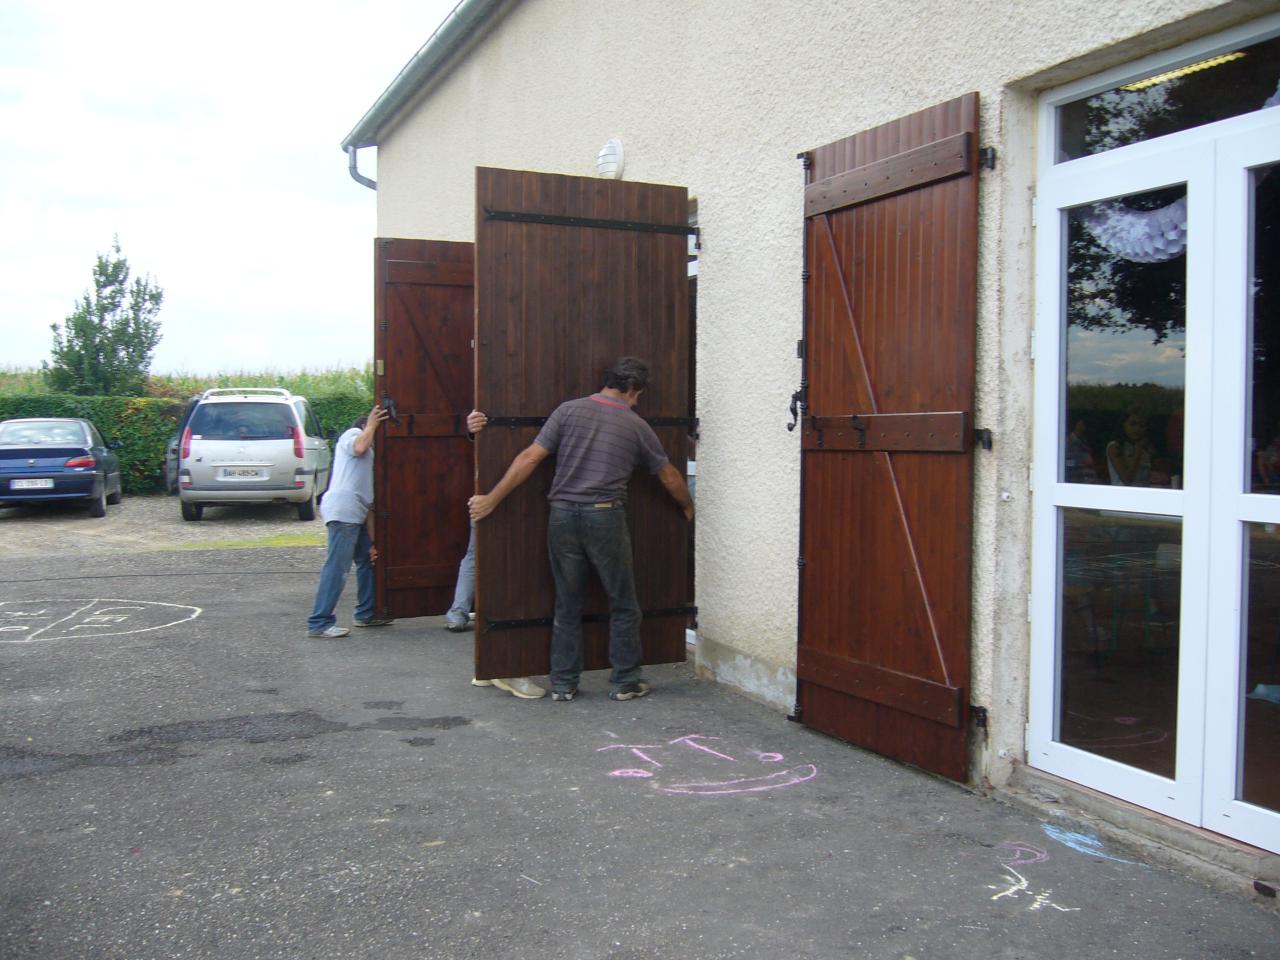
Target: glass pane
<point>242,421</point>
<point>1260,743</point>
<point>1126,340</point>
<point>1119,623</point>
<point>1204,91</point>
<point>1264,326</point>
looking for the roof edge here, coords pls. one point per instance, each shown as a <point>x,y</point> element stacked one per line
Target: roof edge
<point>450,37</point>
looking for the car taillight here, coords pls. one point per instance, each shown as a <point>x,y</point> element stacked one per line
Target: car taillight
<point>186,443</point>
<point>297,441</point>
<point>81,462</point>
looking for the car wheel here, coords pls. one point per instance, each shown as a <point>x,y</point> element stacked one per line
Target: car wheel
<point>98,505</point>
<point>114,498</point>
<point>307,511</point>
<point>192,511</point>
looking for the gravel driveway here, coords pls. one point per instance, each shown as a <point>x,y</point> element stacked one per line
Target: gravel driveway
<point>151,522</point>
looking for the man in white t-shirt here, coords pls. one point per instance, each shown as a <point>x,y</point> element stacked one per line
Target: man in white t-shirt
<point>347,510</point>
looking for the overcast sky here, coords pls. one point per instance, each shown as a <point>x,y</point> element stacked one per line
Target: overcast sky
<point>206,136</point>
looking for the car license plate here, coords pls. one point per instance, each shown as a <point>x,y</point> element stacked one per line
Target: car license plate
<point>43,483</point>
<point>242,473</point>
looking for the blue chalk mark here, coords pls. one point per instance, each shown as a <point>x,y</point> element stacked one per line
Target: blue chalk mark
<point>1085,843</point>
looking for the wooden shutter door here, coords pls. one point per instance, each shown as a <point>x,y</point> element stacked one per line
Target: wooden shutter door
<point>424,319</point>
<point>886,463</point>
<point>571,273</point>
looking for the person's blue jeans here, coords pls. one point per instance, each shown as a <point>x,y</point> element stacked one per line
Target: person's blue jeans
<point>347,542</point>
<point>582,536</point>
<point>464,591</point>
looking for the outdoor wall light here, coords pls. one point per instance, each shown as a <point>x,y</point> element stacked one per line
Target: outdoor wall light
<point>609,160</point>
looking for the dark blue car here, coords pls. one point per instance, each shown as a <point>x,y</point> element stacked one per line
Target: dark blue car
<point>58,459</point>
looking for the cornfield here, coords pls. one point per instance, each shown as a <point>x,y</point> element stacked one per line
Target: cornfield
<point>348,381</point>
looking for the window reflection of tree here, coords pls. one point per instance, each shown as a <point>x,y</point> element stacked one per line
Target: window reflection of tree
<point>1107,292</point>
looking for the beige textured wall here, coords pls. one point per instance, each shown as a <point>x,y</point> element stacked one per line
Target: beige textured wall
<point>720,97</point>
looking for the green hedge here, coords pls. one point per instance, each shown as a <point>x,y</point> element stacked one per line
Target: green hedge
<point>336,411</point>
<point>143,425</point>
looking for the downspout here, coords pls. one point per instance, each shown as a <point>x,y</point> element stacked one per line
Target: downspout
<point>463,26</point>
<point>353,169</point>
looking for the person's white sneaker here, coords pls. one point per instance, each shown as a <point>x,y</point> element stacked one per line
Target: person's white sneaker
<point>521,687</point>
<point>332,633</point>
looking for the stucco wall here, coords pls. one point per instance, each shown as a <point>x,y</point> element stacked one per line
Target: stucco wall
<point>720,97</point>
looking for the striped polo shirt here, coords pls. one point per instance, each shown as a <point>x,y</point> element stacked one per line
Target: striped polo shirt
<point>598,442</point>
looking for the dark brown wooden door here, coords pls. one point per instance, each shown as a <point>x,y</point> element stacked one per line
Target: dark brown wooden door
<point>424,318</point>
<point>891,253</point>
<point>571,273</point>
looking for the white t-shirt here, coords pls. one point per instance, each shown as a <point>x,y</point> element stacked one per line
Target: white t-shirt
<point>350,495</point>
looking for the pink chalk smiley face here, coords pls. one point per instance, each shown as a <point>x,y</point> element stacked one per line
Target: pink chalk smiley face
<point>670,767</point>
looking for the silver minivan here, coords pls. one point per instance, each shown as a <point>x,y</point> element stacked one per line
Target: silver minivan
<point>252,445</point>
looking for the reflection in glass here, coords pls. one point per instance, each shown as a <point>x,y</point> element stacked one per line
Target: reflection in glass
<point>1204,91</point>
<point>1126,340</point>
<point>1264,326</point>
<point>1118,637</point>
<point>1260,743</point>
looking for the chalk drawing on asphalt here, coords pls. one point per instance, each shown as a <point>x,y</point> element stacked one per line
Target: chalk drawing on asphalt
<point>31,621</point>
<point>1015,853</point>
<point>1018,887</point>
<point>1085,843</point>
<point>685,762</point>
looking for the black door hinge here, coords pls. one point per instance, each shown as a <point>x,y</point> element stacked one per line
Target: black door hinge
<point>799,349</point>
<point>979,715</point>
<point>983,436</point>
<point>987,158</point>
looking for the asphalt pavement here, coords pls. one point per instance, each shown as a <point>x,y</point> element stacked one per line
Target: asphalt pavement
<point>183,774</point>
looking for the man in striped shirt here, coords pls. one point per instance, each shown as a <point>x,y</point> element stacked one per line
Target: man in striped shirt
<point>598,441</point>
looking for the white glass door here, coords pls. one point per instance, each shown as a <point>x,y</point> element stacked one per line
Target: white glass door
<point>1155,609</point>
<point>1124,253</point>
<point>1242,671</point>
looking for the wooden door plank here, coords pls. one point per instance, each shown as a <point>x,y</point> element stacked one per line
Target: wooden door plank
<point>941,432</point>
<point>910,170</point>
<point>867,681</point>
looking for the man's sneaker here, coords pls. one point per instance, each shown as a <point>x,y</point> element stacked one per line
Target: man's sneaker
<point>564,696</point>
<point>629,691</point>
<point>457,627</point>
<point>332,633</point>
<point>375,622</point>
<point>521,687</point>
<point>481,683</point>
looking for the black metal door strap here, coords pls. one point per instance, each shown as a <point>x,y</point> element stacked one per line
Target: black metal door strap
<point>586,618</point>
<point>520,216</point>
<point>539,421</point>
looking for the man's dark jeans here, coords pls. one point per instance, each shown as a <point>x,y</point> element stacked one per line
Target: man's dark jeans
<point>581,536</point>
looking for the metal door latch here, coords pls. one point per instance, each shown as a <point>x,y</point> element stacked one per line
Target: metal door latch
<point>855,421</point>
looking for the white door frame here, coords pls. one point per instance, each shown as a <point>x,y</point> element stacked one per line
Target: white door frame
<point>1210,160</point>
<point>1256,145</point>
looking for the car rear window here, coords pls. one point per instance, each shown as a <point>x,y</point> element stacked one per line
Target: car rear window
<point>42,433</point>
<point>242,421</point>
